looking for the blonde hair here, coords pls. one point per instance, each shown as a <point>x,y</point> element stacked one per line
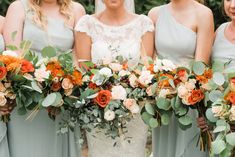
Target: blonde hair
<point>41,20</point>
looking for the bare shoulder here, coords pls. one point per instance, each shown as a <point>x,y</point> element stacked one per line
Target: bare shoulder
<point>203,12</point>
<point>78,8</point>
<point>153,13</point>
<point>16,7</point>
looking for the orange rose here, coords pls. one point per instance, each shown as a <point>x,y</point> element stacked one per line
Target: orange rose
<point>103,98</point>
<point>124,66</point>
<point>196,96</point>
<point>77,77</point>
<point>151,68</point>
<point>208,74</point>
<point>232,80</point>
<point>205,77</point>
<point>181,73</point>
<point>26,66</point>
<point>92,85</point>
<point>57,73</point>
<point>56,86</point>
<point>165,81</point>
<point>53,65</point>
<point>231,97</point>
<point>3,72</point>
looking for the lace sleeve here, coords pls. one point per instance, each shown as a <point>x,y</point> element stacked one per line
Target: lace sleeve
<point>84,25</point>
<point>147,25</point>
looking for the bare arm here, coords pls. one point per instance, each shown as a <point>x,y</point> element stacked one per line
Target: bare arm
<point>205,36</point>
<point>14,22</point>
<point>148,43</point>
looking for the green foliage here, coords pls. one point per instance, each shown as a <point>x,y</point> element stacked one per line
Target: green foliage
<point>142,7</point>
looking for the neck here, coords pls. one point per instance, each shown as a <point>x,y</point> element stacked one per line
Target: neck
<point>116,13</point>
<point>232,25</point>
<point>180,4</point>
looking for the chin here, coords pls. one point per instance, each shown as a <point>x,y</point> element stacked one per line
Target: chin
<point>114,4</point>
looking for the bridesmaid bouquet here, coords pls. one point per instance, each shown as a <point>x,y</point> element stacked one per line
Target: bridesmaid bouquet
<point>108,100</point>
<point>160,91</point>
<point>13,69</point>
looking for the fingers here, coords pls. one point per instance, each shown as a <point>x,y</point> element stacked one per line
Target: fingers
<point>3,113</point>
<point>201,123</point>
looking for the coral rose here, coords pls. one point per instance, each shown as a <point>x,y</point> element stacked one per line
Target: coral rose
<point>3,72</point>
<point>26,66</point>
<point>231,97</point>
<point>196,96</point>
<point>56,86</point>
<point>103,98</point>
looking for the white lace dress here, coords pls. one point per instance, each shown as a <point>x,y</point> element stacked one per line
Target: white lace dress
<point>109,42</point>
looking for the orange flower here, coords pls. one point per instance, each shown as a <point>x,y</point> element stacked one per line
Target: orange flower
<point>56,86</point>
<point>151,68</point>
<point>196,96</point>
<point>208,74</point>
<point>8,59</point>
<point>232,80</point>
<point>181,73</point>
<point>231,97</point>
<point>103,98</point>
<point>13,66</point>
<point>26,66</point>
<point>165,81</point>
<point>53,65</point>
<point>205,77</point>
<point>92,85</point>
<point>77,78</point>
<point>3,72</point>
<point>124,66</point>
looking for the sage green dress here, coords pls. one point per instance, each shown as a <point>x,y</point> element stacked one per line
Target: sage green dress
<point>39,138</point>
<point>176,42</point>
<point>4,151</point>
<point>223,49</point>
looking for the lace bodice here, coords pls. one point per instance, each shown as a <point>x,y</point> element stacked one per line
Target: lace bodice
<point>111,41</point>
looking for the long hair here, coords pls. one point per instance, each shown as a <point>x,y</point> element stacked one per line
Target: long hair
<point>201,1</point>
<point>40,19</point>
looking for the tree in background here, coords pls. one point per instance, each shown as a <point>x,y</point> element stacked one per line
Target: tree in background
<point>142,7</point>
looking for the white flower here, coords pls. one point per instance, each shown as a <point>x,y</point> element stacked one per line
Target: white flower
<point>217,110</point>
<point>133,80</point>
<point>106,60</point>
<point>185,100</point>
<point>131,105</point>
<point>190,85</point>
<point>168,65</point>
<point>145,77</point>
<point>123,73</point>
<point>86,78</point>
<point>150,91</point>
<point>157,65</point>
<point>42,62</point>
<point>115,66</point>
<point>9,53</point>
<point>105,72</point>
<point>182,91</point>
<point>118,93</point>
<point>135,109</point>
<point>163,93</point>
<point>3,100</point>
<point>109,115</point>
<point>41,74</point>
<point>232,115</point>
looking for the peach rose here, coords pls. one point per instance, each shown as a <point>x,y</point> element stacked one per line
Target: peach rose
<point>131,105</point>
<point>67,84</point>
<point>3,100</point>
<point>133,81</point>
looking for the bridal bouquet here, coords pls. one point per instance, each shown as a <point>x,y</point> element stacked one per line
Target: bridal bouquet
<point>160,91</point>
<point>107,100</point>
<point>12,69</point>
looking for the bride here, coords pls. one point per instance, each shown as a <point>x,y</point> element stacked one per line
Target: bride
<point>115,30</point>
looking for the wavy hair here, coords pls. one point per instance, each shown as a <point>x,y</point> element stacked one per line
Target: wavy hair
<point>40,19</point>
<point>201,1</point>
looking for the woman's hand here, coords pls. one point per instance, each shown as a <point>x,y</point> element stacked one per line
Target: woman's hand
<point>202,124</point>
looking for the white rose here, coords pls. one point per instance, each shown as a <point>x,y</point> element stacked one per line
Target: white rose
<point>150,91</point>
<point>115,66</point>
<point>118,93</point>
<point>131,105</point>
<point>106,60</point>
<point>109,115</point>
<point>163,93</point>
<point>168,65</point>
<point>42,62</point>
<point>3,100</point>
<point>145,77</point>
<point>190,85</point>
<point>135,109</point>
<point>105,72</point>
<point>185,100</point>
<point>133,81</point>
<point>217,110</point>
<point>41,74</point>
<point>123,73</point>
<point>9,53</point>
<point>182,91</point>
<point>2,87</point>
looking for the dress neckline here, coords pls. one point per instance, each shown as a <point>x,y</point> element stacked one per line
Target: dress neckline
<point>177,22</point>
<point>121,26</point>
<point>224,36</point>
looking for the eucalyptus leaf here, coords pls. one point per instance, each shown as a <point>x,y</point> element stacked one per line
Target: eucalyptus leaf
<point>165,119</point>
<point>215,95</point>
<point>210,115</point>
<point>49,100</point>
<point>218,78</point>
<point>230,138</point>
<point>218,146</point>
<point>36,87</point>
<point>146,117</point>
<point>199,68</point>
<point>49,52</point>
<point>185,120</point>
<point>163,104</point>
<point>153,123</point>
<point>149,108</point>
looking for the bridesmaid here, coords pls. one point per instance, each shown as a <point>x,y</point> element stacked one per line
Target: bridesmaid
<point>184,32</point>
<point>43,22</point>
<point>4,151</point>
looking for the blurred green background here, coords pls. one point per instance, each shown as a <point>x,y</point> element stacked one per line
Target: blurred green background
<point>142,7</point>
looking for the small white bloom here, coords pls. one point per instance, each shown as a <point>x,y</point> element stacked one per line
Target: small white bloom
<point>191,84</point>
<point>105,72</point>
<point>109,115</point>
<point>163,93</point>
<point>145,77</point>
<point>217,110</point>
<point>133,80</point>
<point>119,93</point>
<point>115,66</point>
<point>9,53</point>
<point>157,65</point>
<point>182,91</point>
<point>41,74</point>
<point>42,62</point>
<point>168,65</point>
<point>123,73</point>
<point>86,78</point>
